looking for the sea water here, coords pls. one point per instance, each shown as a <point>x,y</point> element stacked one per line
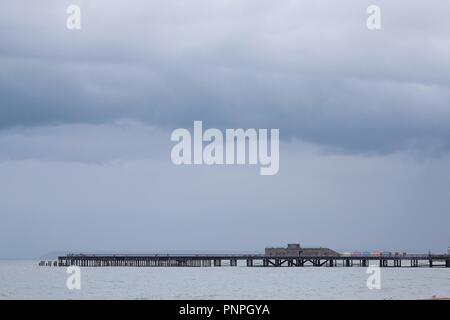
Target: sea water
<point>26,280</point>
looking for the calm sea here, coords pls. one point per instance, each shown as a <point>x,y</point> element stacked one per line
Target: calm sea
<point>25,280</point>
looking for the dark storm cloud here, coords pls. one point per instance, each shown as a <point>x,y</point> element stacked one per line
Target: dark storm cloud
<point>310,68</point>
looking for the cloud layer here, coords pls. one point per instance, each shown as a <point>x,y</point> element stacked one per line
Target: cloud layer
<point>86,116</point>
<point>310,68</point>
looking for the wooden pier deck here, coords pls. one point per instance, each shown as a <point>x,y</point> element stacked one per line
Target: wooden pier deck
<point>249,260</point>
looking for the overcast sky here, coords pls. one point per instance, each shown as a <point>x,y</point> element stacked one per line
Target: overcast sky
<point>86,117</point>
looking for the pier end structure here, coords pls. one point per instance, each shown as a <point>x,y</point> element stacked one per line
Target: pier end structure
<point>295,250</point>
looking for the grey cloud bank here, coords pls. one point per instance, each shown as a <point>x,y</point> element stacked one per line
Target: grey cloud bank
<point>311,69</point>
<point>86,116</point>
<point>86,143</point>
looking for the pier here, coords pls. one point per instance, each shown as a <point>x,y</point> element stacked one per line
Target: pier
<point>249,260</point>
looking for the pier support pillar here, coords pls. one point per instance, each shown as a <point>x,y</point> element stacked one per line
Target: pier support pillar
<point>249,262</point>
<point>217,262</point>
<point>206,263</point>
<point>233,262</point>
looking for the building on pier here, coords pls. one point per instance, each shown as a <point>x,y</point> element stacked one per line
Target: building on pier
<point>295,250</point>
